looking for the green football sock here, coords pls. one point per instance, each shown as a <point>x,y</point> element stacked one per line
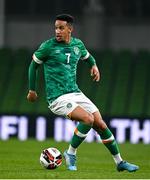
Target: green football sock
<point>109,141</point>
<point>80,134</point>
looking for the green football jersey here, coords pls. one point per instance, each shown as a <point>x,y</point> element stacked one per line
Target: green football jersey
<point>60,65</point>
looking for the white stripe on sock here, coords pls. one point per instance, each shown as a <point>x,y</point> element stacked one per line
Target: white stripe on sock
<point>108,140</point>
<point>117,158</point>
<point>78,133</point>
<point>72,150</point>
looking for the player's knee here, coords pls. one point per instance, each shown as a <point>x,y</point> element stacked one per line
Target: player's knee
<point>89,119</point>
<point>103,125</point>
<point>100,125</point>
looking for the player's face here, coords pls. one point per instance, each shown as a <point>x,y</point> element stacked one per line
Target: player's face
<point>62,31</point>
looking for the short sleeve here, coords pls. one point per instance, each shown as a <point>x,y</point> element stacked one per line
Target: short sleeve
<point>41,54</point>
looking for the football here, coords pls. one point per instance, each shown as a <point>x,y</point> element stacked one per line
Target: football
<point>51,158</point>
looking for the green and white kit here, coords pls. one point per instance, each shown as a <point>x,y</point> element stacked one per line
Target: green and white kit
<point>60,65</point>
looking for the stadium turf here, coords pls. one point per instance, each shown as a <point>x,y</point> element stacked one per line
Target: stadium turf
<point>20,160</point>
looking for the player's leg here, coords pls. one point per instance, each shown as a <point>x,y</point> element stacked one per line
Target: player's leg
<point>86,121</point>
<point>66,105</point>
<point>82,128</point>
<point>106,136</point>
<point>109,141</point>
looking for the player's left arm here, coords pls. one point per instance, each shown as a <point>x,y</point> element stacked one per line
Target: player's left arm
<point>95,73</point>
<point>88,58</point>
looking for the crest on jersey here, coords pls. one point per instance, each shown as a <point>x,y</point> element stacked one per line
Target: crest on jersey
<point>57,51</point>
<point>76,50</point>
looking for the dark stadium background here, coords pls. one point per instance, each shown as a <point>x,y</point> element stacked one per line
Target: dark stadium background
<point>116,32</point>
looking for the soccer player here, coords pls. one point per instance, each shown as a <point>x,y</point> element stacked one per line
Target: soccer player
<point>59,56</point>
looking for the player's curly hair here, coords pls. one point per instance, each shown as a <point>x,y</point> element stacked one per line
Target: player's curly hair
<point>66,17</point>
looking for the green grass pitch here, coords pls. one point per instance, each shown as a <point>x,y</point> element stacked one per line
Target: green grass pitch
<point>20,160</point>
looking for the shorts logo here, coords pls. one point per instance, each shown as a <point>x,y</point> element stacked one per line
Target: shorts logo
<point>69,105</point>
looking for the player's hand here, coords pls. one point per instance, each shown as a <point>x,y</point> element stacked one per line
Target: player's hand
<point>32,96</point>
<point>95,73</point>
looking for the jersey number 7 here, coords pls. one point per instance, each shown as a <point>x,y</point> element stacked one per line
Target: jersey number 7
<point>68,57</point>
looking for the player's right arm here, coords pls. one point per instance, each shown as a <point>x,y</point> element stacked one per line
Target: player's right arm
<point>39,57</point>
<point>32,73</point>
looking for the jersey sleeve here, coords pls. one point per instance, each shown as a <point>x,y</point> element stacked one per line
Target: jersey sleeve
<point>86,56</point>
<point>41,54</point>
<point>84,52</point>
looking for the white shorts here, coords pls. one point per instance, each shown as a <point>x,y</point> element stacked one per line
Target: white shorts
<point>65,104</point>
